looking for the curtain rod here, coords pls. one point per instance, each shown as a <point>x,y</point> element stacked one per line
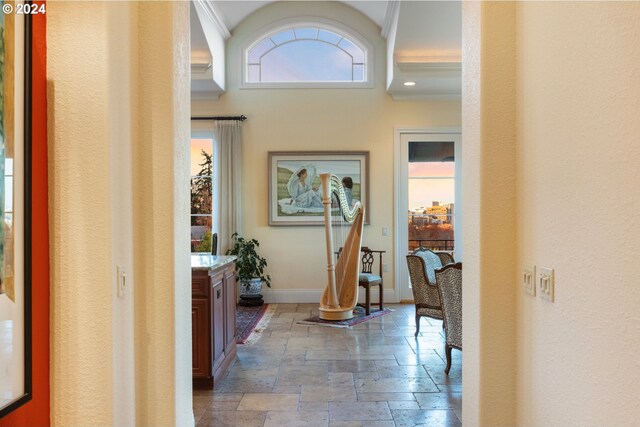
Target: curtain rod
<point>242,118</point>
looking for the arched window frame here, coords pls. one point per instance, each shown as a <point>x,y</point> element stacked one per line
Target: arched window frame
<point>306,22</point>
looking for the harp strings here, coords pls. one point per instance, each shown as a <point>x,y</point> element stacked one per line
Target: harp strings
<point>342,216</point>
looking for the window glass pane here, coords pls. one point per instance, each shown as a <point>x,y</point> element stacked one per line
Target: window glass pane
<point>201,196</point>
<point>432,169</point>
<point>201,233</point>
<point>306,33</point>
<point>259,50</point>
<point>201,220</point>
<point>431,205</point>
<point>329,37</point>
<point>428,192</point>
<point>306,61</point>
<point>354,51</point>
<point>283,37</point>
<point>358,73</point>
<point>431,151</point>
<point>201,152</point>
<point>253,73</point>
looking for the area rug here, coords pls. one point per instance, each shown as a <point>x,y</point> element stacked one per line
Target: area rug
<point>359,317</point>
<point>251,320</point>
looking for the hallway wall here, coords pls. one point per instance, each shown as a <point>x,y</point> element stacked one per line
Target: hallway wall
<point>119,131</point>
<point>578,104</point>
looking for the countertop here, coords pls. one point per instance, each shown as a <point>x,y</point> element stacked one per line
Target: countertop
<point>205,261</point>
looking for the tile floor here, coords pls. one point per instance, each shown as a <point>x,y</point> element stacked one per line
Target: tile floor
<point>374,374</point>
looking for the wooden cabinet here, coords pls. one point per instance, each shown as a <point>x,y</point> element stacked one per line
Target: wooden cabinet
<point>213,311</point>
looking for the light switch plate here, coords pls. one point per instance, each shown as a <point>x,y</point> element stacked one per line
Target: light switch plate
<point>529,279</point>
<point>545,283</point>
<point>121,281</point>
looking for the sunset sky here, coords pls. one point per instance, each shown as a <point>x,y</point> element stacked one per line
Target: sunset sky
<point>422,192</point>
<point>197,145</point>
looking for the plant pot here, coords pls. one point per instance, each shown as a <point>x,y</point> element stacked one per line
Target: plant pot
<point>251,286</point>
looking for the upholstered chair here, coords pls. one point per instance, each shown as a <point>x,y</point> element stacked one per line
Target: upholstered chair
<point>422,264</point>
<point>449,279</point>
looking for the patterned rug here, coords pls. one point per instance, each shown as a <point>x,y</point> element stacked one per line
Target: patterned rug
<point>358,317</point>
<point>247,318</point>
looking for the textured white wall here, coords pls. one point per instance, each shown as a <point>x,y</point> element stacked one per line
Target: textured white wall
<point>578,205</point>
<point>119,132</point>
<point>122,30</point>
<point>318,119</point>
<point>489,232</point>
<point>80,217</point>
<point>161,215</point>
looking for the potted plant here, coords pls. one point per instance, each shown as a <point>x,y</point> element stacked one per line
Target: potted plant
<point>249,265</point>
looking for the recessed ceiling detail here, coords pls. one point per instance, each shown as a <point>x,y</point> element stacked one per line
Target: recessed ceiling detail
<point>425,38</point>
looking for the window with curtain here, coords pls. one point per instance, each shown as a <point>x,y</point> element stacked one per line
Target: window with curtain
<point>202,194</point>
<point>308,54</point>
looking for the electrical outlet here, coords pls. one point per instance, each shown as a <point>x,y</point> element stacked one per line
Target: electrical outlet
<point>529,279</point>
<point>385,268</point>
<point>546,285</point>
<point>385,231</point>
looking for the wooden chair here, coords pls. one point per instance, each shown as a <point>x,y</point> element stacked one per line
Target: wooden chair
<point>214,244</point>
<point>449,279</point>
<point>368,278</point>
<point>422,264</point>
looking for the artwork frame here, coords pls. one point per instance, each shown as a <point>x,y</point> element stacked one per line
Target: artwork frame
<point>303,209</point>
<point>15,207</point>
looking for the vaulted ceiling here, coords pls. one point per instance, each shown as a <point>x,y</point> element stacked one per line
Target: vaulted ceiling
<point>425,37</point>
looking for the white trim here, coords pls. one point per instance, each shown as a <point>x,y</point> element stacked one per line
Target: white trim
<point>400,194</point>
<point>307,85</point>
<point>409,65</point>
<point>299,296</point>
<point>210,10</point>
<point>315,21</point>
<point>425,95</point>
<point>390,18</point>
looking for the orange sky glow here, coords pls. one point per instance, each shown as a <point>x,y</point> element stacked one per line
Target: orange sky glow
<point>423,192</point>
<point>197,145</point>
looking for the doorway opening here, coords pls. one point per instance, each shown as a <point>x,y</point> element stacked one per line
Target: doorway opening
<point>427,201</point>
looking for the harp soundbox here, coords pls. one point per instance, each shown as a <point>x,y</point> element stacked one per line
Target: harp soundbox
<point>341,293</point>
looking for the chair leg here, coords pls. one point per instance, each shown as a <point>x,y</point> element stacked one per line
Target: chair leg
<point>381,300</point>
<point>448,352</point>
<point>367,307</point>
<point>417,325</point>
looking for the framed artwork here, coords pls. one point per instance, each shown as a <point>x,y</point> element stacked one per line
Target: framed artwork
<point>295,193</point>
<point>15,202</point>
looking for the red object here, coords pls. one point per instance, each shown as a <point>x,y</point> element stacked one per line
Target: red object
<point>35,413</point>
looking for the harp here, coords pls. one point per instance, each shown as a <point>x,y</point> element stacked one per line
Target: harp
<point>341,293</point>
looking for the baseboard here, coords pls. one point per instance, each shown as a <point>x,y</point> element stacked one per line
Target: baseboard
<point>298,296</point>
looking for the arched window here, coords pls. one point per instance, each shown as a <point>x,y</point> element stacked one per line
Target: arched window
<point>307,54</point>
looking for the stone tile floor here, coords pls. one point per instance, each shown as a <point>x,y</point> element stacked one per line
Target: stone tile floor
<point>375,374</point>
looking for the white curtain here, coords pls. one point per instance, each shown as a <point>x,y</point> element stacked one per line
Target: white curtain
<point>228,133</point>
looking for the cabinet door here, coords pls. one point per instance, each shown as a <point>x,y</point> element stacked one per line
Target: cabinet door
<point>201,348</point>
<point>217,319</point>
<point>200,284</point>
<point>230,302</point>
